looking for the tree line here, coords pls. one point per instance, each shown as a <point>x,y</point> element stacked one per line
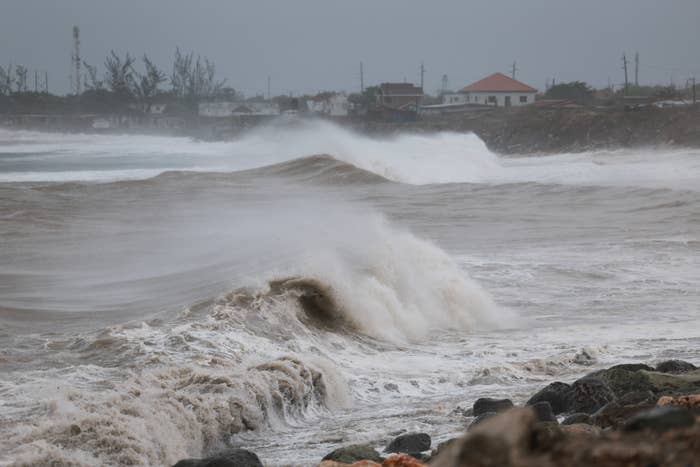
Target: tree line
<point>125,82</point>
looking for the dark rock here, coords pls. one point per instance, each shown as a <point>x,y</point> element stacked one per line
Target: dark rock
<point>353,453</point>
<point>546,435</point>
<point>632,367</point>
<point>543,412</point>
<point>486,404</point>
<point>660,419</point>
<point>231,458</point>
<point>391,387</point>
<point>623,381</point>
<point>615,414</point>
<point>590,394</point>
<point>481,418</point>
<point>669,384</point>
<point>410,443</point>
<point>675,367</point>
<point>576,418</point>
<point>559,395</point>
<point>75,430</point>
<point>638,397</point>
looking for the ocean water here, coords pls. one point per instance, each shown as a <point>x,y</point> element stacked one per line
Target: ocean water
<point>304,287</point>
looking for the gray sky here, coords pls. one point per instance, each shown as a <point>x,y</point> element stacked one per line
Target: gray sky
<point>312,45</point>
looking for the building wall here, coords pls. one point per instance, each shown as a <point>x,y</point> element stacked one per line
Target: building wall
<point>489,98</point>
<point>397,102</point>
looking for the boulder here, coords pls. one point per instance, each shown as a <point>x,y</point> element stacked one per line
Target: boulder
<point>660,419</point>
<point>543,412</point>
<point>638,397</point>
<point>409,443</point>
<point>614,414</point>
<point>231,458</point>
<point>559,395</point>
<point>577,418</point>
<point>691,402</point>
<point>546,435</point>
<point>486,404</point>
<point>674,384</point>
<point>675,367</point>
<point>493,443</point>
<point>623,381</point>
<point>631,367</point>
<point>581,429</point>
<point>590,394</point>
<point>353,453</point>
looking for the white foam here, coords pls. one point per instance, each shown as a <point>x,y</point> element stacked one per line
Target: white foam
<point>416,159</point>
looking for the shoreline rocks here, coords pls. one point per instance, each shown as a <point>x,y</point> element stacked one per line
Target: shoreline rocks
<point>630,414</point>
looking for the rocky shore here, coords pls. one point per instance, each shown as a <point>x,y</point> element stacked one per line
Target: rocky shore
<point>623,416</point>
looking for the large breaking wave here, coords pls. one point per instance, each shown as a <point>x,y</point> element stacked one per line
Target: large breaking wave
<point>406,158</point>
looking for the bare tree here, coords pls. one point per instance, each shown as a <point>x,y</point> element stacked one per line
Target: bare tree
<point>182,72</point>
<point>6,80</point>
<point>92,81</point>
<point>119,77</point>
<point>146,86</point>
<point>21,78</point>
<point>194,80</point>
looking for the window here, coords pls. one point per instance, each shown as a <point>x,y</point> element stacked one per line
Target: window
<point>523,99</point>
<point>492,99</point>
<point>387,99</point>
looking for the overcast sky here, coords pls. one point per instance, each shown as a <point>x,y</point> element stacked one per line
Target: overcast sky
<point>312,45</point>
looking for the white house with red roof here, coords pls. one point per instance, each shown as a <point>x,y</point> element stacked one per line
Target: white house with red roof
<point>497,90</point>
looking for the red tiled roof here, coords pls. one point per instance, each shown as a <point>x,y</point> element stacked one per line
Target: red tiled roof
<point>498,82</point>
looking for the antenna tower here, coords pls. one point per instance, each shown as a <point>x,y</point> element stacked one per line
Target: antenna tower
<point>75,61</point>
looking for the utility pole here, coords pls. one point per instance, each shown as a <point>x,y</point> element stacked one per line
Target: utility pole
<point>514,68</point>
<point>422,74</point>
<point>445,81</point>
<point>268,87</point>
<point>362,78</point>
<point>636,70</point>
<point>624,66</point>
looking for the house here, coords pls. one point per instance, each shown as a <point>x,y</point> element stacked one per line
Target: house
<point>496,90</point>
<point>399,96</point>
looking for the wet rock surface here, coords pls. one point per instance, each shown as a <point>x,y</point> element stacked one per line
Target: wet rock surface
<point>543,412</point>
<point>675,367</point>
<point>353,453</point>
<point>231,458</point>
<point>590,394</point>
<point>660,419</point>
<point>558,394</point>
<point>486,404</point>
<point>409,443</point>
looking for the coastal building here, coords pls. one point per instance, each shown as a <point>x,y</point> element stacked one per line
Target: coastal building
<point>399,96</point>
<point>496,90</point>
